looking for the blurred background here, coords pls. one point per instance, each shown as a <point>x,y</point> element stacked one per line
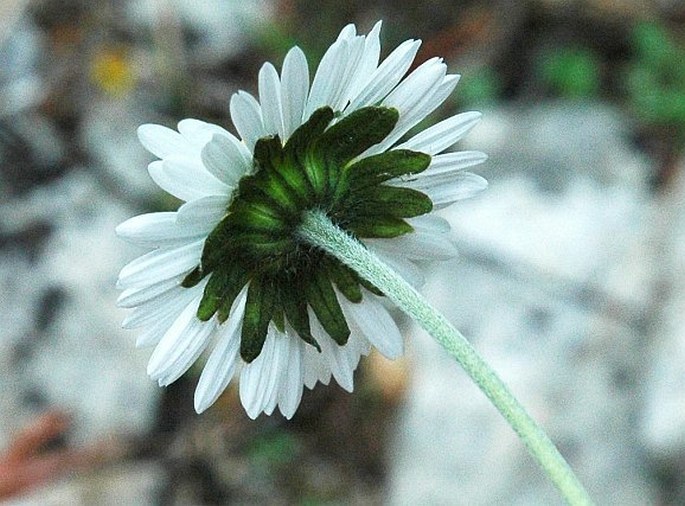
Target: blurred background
<point>571,279</point>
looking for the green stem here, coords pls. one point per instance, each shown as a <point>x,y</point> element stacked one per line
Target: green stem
<point>318,230</point>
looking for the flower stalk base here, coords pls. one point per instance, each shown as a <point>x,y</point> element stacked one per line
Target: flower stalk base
<point>318,230</point>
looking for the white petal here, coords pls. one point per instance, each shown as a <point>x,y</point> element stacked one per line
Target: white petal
<point>280,366</point>
<point>160,308</point>
<point>258,378</point>
<point>328,76</point>
<point>132,297</point>
<point>194,174</point>
<point>449,83</point>
<point>316,368</point>
<point>181,345</point>
<point>294,90</point>
<point>168,184</point>
<point>222,362</point>
<point>185,179</point>
<point>247,118</point>
<point>456,186</point>
<point>227,159</point>
<point>204,212</point>
<point>417,111</point>
<point>442,135</point>
<point>450,162</point>
<point>198,133</point>
<point>410,99</point>
<point>160,265</point>
<point>417,245</point>
<point>404,267</point>
<point>157,230</point>
<point>356,346</point>
<point>417,85</point>
<point>376,324</point>
<point>341,96</point>
<point>368,63</point>
<point>292,385</point>
<point>349,31</point>
<point>430,223</point>
<point>334,354</point>
<point>444,180</point>
<point>152,335</point>
<point>270,100</point>
<point>387,75</point>
<point>162,141</point>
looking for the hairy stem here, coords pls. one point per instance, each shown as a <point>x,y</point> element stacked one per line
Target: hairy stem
<point>318,230</point>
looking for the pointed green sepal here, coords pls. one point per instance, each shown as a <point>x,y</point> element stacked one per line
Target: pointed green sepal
<point>306,134</point>
<point>377,226</point>
<point>257,215</point>
<point>213,251</point>
<point>271,190</point>
<point>283,171</point>
<point>259,310</point>
<point>292,176</point>
<point>268,153</point>
<point>371,287</point>
<point>193,278</point>
<point>298,151</point>
<point>354,134</point>
<point>377,169</point>
<point>345,279</point>
<point>322,299</point>
<point>220,293</point>
<point>278,319</point>
<point>295,308</point>
<point>393,200</point>
<point>253,246</point>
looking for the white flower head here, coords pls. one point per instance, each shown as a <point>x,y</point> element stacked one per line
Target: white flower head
<point>227,273</point>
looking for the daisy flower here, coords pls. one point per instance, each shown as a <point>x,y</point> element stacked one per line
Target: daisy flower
<point>227,274</point>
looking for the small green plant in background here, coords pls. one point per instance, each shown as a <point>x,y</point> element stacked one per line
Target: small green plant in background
<point>479,88</point>
<point>656,80</point>
<point>276,449</point>
<point>571,72</point>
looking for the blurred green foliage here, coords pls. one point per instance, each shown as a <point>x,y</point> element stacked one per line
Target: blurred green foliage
<point>274,449</point>
<point>656,78</point>
<point>482,87</point>
<point>275,40</point>
<point>571,72</point>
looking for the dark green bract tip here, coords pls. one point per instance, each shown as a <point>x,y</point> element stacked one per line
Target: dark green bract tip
<point>255,244</point>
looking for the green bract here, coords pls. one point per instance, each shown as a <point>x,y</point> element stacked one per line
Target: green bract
<point>256,243</point>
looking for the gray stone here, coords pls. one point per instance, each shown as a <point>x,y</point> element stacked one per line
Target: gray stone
<point>664,416</point>
<point>20,84</point>
<point>65,346</point>
<point>556,142</point>
<point>132,483</point>
<point>574,371</point>
<point>568,198</point>
<point>220,29</point>
<point>109,134</point>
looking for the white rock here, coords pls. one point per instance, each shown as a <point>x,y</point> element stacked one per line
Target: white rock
<point>574,371</point>
<point>82,361</point>
<point>221,28</point>
<point>137,484</point>
<point>664,416</point>
<point>20,84</point>
<point>109,133</point>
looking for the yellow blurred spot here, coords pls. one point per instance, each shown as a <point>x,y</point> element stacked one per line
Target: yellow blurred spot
<point>112,72</point>
<point>391,377</point>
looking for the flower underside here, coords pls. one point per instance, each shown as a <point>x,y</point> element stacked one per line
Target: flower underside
<point>256,242</point>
